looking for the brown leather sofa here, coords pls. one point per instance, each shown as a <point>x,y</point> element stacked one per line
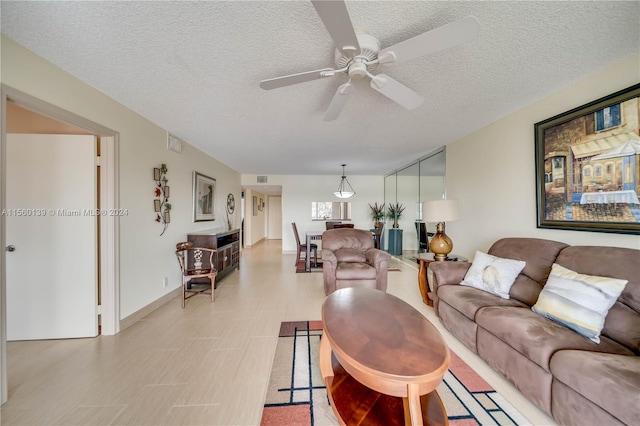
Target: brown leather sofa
<point>573,379</point>
<point>350,260</point>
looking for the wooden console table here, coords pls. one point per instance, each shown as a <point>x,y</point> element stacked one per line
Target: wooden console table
<point>226,243</point>
<point>381,360</point>
<point>424,259</point>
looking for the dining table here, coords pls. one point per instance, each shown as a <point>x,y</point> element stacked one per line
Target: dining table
<point>610,197</point>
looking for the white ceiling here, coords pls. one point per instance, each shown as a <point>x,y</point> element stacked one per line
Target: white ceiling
<point>193,68</point>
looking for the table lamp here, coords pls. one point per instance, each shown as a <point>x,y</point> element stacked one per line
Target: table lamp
<point>440,211</point>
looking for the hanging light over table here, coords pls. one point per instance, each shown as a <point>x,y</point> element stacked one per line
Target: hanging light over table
<point>344,189</point>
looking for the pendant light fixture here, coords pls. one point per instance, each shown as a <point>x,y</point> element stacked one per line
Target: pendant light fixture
<point>344,189</point>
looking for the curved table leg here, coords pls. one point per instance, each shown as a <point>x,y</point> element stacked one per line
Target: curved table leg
<point>324,357</point>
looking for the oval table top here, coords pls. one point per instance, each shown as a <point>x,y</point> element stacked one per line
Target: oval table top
<point>383,335</point>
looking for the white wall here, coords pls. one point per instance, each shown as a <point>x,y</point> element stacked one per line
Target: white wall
<point>492,171</point>
<point>299,191</point>
<point>145,256</point>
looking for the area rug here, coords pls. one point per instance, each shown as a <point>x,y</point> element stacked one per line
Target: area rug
<point>297,396</point>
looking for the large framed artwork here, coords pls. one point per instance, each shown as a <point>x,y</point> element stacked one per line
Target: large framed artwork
<point>588,166</point>
<point>203,195</point>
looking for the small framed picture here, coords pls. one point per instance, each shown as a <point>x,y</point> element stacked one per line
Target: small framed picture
<point>203,197</point>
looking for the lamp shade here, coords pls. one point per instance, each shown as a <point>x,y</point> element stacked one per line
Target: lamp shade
<point>440,211</point>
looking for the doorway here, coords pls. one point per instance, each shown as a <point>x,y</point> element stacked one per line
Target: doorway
<point>108,225</point>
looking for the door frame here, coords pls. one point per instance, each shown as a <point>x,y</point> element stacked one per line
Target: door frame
<point>109,225</point>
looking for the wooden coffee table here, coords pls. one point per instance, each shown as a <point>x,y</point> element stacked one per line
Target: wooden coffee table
<point>381,360</point>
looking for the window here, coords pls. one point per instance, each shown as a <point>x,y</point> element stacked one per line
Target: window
<point>323,210</point>
<point>598,170</point>
<point>608,117</point>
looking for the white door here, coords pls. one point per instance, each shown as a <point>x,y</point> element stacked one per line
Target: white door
<point>275,218</point>
<point>51,276</point>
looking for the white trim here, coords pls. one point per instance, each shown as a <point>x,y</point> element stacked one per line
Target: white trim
<point>109,237</point>
<point>3,311</point>
<point>146,310</point>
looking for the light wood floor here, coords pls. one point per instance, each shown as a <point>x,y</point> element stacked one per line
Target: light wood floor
<point>208,364</point>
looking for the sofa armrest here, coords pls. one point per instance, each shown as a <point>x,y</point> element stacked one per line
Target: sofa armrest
<point>329,265</point>
<point>447,273</point>
<point>377,258</point>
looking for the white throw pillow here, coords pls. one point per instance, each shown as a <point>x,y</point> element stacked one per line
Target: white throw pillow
<point>578,301</point>
<point>493,274</point>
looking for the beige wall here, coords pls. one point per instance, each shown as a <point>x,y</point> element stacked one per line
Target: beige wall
<point>145,256</point>
<point>492,172</point>
<point>255,226</point>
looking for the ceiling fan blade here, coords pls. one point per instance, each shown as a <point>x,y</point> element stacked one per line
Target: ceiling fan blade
<point>288,80</point>
<point>396,91</point>
<point>444,37</point>
<point>336,19</point>
<point>338,101</point>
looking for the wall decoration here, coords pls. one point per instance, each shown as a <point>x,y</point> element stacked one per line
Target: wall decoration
<point>588,166</point>
<point>231,207</point>
<point>255,206</point>
<point>161,204</point>
<point>203,197</point>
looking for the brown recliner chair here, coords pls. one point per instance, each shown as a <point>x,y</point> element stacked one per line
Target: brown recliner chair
<point>350,260</point>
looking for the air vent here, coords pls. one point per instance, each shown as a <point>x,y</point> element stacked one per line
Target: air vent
<point>262,179</point>
<point>174,144</point>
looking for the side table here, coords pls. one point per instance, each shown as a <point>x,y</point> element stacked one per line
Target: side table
<point>424,259</point>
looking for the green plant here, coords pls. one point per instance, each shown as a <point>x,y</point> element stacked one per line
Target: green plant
<point>394,211</point>
<point>377,211</point>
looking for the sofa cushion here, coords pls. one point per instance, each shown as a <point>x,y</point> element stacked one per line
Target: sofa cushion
<point>468,300</point>
<point>623,321</point>
<point>539,255</point>
<point>607,380</point>
<point>578,301</point>
<point>536,337</point>
<point>355,271</point>
<point>492,274</point>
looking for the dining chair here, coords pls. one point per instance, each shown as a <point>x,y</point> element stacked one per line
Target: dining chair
<point>423,237</point>
<point>377,235</point>
<point>330,224</point>
<point>303,247</point>
<point>342,225</point>
<point>196,262</point>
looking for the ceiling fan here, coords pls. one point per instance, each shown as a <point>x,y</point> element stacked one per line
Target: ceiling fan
<point>357,52</point>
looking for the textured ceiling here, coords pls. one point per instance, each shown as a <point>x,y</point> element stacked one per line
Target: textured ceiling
<point>193,68</point>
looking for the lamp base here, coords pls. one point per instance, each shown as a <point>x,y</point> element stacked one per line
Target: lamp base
<point>441,245</point>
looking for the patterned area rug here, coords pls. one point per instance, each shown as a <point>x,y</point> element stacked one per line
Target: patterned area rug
<point>297,395</point>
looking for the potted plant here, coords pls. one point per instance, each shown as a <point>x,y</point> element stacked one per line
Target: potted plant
<point>395,213</point>
<point>377,213</point>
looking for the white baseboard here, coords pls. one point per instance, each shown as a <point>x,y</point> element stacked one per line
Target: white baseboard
<point>143,312</point>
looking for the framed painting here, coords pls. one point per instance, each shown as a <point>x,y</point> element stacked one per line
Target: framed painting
<point>255,206</point>
<point>588,166</point>
<point>203,195</point>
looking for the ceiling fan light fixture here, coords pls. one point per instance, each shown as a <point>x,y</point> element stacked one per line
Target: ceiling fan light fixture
<point>345,190</point>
